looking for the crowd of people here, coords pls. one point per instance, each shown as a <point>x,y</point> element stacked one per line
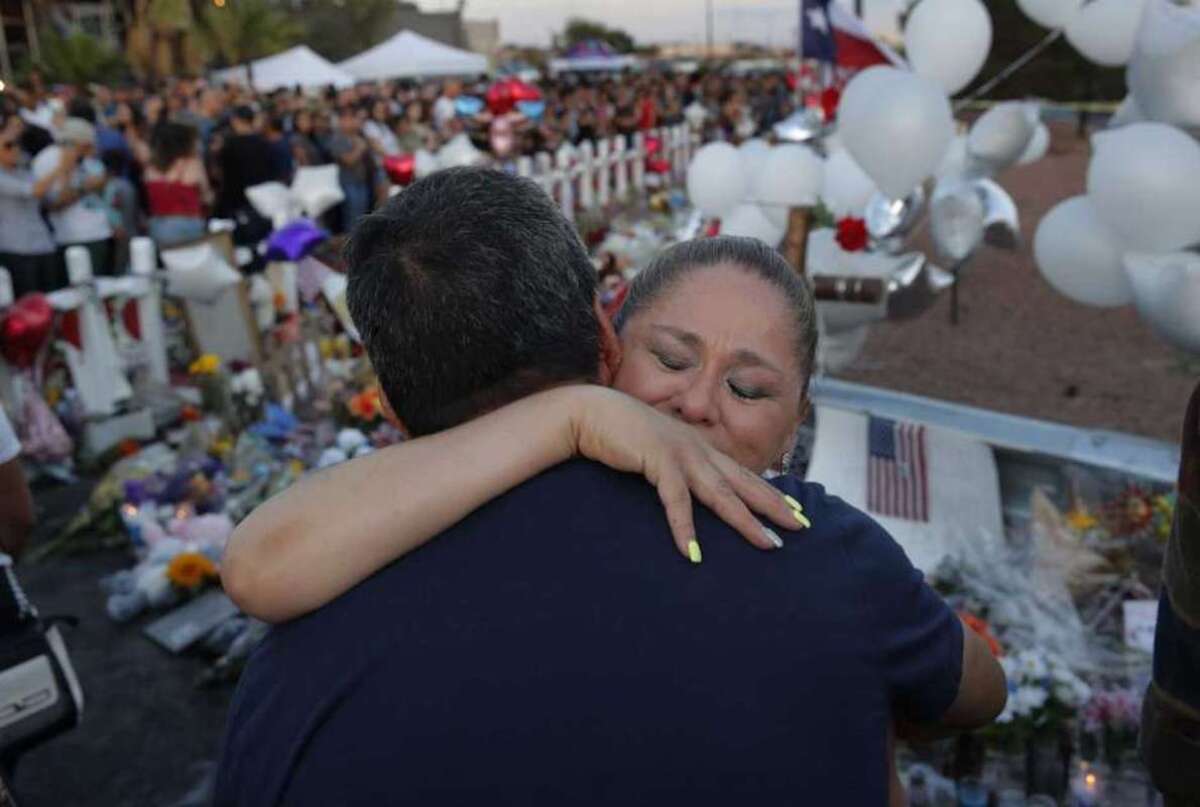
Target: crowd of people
<point>95,166</point>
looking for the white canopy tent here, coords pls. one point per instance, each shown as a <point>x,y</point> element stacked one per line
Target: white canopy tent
<point>300,65</point>
<point>409,54</point>
<point>593,64</point>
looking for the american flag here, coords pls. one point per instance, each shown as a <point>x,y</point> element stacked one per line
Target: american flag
<point>897,470</point>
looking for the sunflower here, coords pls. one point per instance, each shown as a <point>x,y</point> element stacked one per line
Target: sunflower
<point>1081,520</point>
<point>208,364</point>
<point>189,570</point>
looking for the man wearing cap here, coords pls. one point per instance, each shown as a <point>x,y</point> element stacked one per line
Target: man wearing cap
<point>77,212</point>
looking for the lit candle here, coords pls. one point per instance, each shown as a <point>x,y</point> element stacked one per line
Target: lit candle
<point>1086,788</point>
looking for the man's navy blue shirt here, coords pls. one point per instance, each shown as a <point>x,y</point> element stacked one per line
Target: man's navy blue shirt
<point>553,648</point>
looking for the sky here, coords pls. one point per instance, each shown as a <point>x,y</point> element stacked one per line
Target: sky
<point>767,22</point>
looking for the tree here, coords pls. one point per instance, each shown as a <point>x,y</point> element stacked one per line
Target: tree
<point>244,30</point>
<point>161,40</point>
<point>78,58</point>
<point>580,30</point>
<point>339,29</point>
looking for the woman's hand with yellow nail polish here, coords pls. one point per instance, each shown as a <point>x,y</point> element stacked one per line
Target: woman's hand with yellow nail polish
<point>628,435</point>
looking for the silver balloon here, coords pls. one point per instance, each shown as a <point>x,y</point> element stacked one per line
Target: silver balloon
<point>956,220</point>
<point>914,286</point>
<point>890,220</point>
<point>800,127</point>
<point>939,279</point>
<point>1001,222</point>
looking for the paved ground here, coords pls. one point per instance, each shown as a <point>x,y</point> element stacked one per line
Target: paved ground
<point>1020,347</point>
<point>146,730</point>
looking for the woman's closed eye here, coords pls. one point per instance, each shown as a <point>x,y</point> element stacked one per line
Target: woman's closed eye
<point>670,361</point>
<point>747,392</point>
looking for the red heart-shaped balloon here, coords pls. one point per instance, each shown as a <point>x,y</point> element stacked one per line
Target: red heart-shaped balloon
<point>400,168</point>
<point>522,91</point>
<point>500,98</point>
<point>25,328</point>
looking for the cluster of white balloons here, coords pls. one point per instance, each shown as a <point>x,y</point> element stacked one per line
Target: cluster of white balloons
<point>1124,240</point>
<point>1127,240</point>
<point>751,187</point>
<point>1158,40</point>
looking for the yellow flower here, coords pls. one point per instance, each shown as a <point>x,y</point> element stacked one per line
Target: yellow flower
<point>1081,520</point>
<point>208,364</point>
<point>222,447</point>
<point>190,570</point>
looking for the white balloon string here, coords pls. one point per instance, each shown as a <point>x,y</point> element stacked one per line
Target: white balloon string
<point>1021,61</point>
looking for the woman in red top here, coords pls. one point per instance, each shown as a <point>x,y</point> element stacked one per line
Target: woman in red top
<point>176,186</point>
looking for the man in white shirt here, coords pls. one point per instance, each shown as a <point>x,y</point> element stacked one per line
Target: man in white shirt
<point>77,212</point>
<point>16,503</point>
<point>445,108</point>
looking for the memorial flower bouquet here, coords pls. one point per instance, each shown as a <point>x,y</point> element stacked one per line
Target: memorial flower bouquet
<point>1110,723</point>
<point>1044,695</point>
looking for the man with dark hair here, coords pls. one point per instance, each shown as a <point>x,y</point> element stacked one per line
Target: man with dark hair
<point>471,254</point>
<point>551,648</point>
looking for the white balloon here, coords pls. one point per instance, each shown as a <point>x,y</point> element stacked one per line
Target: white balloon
<point>950,60</point>
<point>1164,72</point>
<point>424,163</point>
<point>459,152</point>
<point>1145,181</point>
<point>753,153</point>
<point>1166,292</point>
<point>748,220</point>
<point>1001,135</point>
<point>791,175</point>
<point>716,181</point>
<point>845,189</point>
<point>1038,146</point>
<point>1052,14</point>
<point>1104,31</point>
<point>1079,256</point>
<point>957,160</point>
<point>1128,111</point>
<point>896,125</point>
<point>956,220</point>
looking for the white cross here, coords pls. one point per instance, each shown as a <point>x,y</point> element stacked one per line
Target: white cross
<point>816,20</point>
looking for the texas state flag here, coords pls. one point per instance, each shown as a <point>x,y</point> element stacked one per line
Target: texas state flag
<point>831,33</point>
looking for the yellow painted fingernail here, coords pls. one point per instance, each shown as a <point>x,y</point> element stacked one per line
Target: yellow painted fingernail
<point>802,519</point>
<point>694,552</point>
<point>792,503</point>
